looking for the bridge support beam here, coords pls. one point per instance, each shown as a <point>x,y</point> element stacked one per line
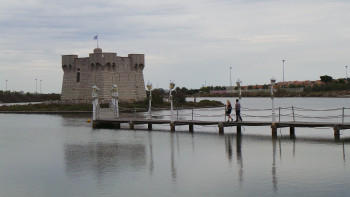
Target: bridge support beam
<point>190,128</point>
<point>221,128</point>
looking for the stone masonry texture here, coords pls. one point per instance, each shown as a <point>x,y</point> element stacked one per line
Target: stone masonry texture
<point>103,70</point>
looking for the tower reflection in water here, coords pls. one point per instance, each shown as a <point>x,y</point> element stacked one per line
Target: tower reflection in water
<point>103,158</point>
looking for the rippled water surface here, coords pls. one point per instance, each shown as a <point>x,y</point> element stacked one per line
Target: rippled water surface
<point>61,155</point>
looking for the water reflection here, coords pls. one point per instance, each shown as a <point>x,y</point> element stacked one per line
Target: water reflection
<point>229,152</point>
<point>103,158</point>
<point>274,173</point>
<point>172,159</point>
<point>239,158</point>
<point>344,153</point>
<point>151,165</point>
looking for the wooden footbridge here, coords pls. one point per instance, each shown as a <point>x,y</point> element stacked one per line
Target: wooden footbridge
<point>106,119</point>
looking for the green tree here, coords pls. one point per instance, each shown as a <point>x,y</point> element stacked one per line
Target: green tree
<point>326,78</point>
<point>158,96</point>
<point>179,97</point>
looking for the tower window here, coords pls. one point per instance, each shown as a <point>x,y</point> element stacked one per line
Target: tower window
<point>78,75</point>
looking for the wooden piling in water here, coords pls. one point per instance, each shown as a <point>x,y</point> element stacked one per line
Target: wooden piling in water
<point>273,130</point>
<point>190,128</point>
<point>221,128</point>
<point>336,131</point>
<point>131,125</point>
<point>239,129</point>
<point>172,126</point>
<point>292,131</point>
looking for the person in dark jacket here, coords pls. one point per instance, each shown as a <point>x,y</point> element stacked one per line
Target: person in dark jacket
<point>238,111</point>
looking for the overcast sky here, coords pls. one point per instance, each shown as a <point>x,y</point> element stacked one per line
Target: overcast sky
<point>192,42</point>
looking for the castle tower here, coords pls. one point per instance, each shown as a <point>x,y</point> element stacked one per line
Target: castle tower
<point>103,70</point>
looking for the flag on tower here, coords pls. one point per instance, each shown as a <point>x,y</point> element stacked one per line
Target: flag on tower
<point>96,37</point>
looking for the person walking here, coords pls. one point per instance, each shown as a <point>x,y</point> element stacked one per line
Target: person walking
<point>238,111</point>
<point>228,110</point>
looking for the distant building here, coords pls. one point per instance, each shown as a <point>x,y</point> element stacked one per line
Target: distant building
<point>103,70</point>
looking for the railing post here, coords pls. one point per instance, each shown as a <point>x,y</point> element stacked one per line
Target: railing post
<point>225,113</point>
<point>177,114</point>
<point>279,114</point>
<point>135,113</point>
<point>342,117</point>
<point>293,113</point>
<point>192,113</point>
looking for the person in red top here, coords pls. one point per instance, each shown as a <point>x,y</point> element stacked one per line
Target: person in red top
<point>228,111</point>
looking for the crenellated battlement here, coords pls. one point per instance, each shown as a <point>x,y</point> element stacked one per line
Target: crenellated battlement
<point>103,69</point>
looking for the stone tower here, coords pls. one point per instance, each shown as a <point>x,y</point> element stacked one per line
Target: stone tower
<point>103,70</point>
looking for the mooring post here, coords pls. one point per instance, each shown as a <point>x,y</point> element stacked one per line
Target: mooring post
<point>221,127</point>
<point>274,130</point>
<point>190,128</point>
<point>342,117</point>
<point>172,126</point>
<point>131,124</point>
<point>293,114</point>
<point>239,129</point>
<point>149,126</point>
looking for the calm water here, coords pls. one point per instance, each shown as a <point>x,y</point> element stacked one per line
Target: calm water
<point>61,155</point>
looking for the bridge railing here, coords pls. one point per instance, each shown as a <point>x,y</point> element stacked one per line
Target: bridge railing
<point>338,115</point>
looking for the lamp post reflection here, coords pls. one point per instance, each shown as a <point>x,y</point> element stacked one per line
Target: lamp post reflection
<point>151,165</point>
<point>239,157</point>
<point>274,173</point>
<point>172,158</point>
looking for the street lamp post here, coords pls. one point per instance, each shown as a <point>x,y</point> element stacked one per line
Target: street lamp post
<point>171,87</point>
<point>230,78</point>
<point>40,87</point>
<point>346,67</point>
<point>149,87</point>
<point>283,72</point>
<point>36,86</point>
<point>6,85</point>
<point>95,90</point>
<point>273,81</point>
<point>115,96</point>
<point>239,88</point>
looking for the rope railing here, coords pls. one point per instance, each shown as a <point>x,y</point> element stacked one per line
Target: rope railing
<point>282,113</point>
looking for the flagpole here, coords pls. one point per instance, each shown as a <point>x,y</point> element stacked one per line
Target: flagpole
<point>97,41</point>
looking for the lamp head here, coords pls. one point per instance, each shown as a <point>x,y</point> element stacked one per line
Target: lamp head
<point>171,85</point>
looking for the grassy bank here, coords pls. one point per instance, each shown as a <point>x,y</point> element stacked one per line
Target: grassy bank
<point>88,107</point>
